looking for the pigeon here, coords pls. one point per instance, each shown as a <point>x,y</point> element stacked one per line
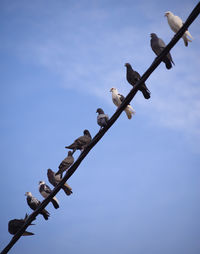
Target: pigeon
<point>132,78</point>
<point>45,190</point>
<point>34,203</point>
<point>15,225</point>
<point>66,163</point>
<point>102,118</point>
<point>157,45</point>
<point>55,180</point>
<point>81,142</point>
<point>117,100</point>
<point>175,24</point>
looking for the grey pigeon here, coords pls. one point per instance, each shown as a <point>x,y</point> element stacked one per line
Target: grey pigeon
<point>157,45</point>
<point>102,118</point>
<point>66,163</point>
<point>34,203</point>
<point>55,180</point>
<point>132,78</point>
<point>81,142</point>
<point>45,191</point>
<point>15,225</point>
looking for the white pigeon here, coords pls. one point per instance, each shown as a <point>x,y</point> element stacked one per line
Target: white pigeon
<point>176,23</point>
<point>117,100</point>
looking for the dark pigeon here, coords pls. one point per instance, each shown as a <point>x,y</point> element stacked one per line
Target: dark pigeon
<point>102,118</point>
<point>132,78</point>
<point>55,180</point>
<point>81,142</point>
<point>45,191</point>
<point>15,225</point>
<point>157,45</point>
<point>34,203</point>
<point>66,163</point>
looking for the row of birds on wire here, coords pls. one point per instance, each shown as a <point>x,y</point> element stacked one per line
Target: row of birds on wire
<point>132,76</point>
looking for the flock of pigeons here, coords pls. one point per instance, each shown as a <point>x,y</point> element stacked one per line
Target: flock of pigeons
<point>81,143</point>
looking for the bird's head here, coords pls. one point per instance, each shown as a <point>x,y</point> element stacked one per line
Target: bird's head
<point>28,193</point>
<point>49,171</point>
<point>113,89</point>
<point>41,182</point>
<point>127,65</point>
<point>168,13</point>
<point>70,153</point>
<point>87,133</point>
<point>153,35</point>
<point>100,111</point>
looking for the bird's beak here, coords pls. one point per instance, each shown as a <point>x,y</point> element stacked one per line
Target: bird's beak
<point>111,90</point>
<point>165,15</point>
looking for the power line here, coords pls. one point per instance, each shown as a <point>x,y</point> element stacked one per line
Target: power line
<point>101,133</point>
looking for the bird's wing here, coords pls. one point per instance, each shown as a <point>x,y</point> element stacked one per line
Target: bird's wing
<point>47,189</point>
<point>121,97</point>
<point>161,43</point>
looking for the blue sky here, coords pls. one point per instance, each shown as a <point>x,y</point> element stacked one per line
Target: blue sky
<point>138,189</point>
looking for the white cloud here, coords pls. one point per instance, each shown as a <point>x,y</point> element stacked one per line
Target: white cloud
<point>81,53</point>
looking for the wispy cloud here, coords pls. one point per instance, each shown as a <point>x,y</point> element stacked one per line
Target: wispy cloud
<point>89,57</point>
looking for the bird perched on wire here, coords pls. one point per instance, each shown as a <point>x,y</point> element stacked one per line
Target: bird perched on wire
<point>81,142</point>
<point>34,203</point>
<point>175,24</point>
<point>117,100</point>
<point>102,118</point>
<point>157,45</point>
<point>55,180</point>
<point>45,191</point>
<point>132,78</point>
<point>15,225</point>
<point>66,163</point>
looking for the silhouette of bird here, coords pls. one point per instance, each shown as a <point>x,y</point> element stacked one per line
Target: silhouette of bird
<point>175,24</point>
<point>132,78</point>
<point>55,180</point>
<point>157,45</point>
<point>117,100</point>
<point>34,203</point>
<point>15,225</point>
<point>102,118</point>
<point>66,163</point>
<point>45,191</point>
<point>81,142</point>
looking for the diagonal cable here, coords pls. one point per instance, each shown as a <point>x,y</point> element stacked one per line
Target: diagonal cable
<point>194,14</point>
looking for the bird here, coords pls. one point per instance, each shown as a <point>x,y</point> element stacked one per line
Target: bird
<point>157,45</point>
<point>66,163</point>
<point>15,225</point>
<point>117,100</point>
<point>55,180</point>
<point>175,24</point>
<point>81,142</point>
<point>34,203</point>
<point>132,78</point>
<point>45,191</point>
<point>102,118</point>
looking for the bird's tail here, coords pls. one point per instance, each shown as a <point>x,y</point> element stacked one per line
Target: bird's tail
<point>189,34</point>
<point>67,189</point>
<point>73,147</point>
<point>55,203</point>
<point>185,39</point>
<point>168,63</point>
<point>129,111</point>
<point>145,91</point>
<point>45,214</point>
<point>27,233</point>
